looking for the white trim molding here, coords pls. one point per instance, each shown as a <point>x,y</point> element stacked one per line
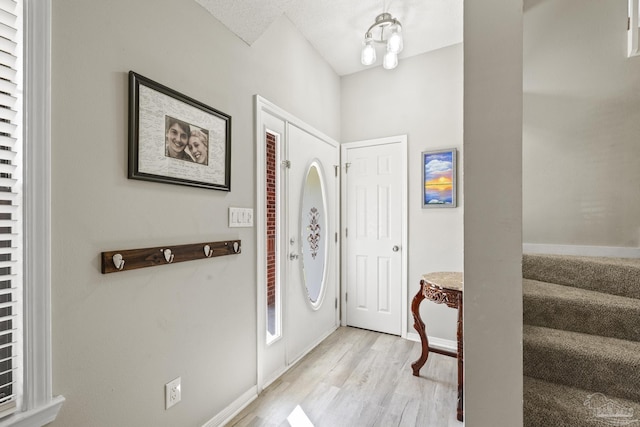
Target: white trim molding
<point>38,406</point>
<point>36,417</point>
<point>435,342</point>
<point>233,409</point>
<point>634,28</point>
<point>602,251</point>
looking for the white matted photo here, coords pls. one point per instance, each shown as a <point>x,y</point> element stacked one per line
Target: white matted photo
<point>175,139</point>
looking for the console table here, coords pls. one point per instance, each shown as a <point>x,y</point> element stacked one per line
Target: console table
<point>441,288</point>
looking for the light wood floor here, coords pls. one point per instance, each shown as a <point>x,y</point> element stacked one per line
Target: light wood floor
<point>358,378</point>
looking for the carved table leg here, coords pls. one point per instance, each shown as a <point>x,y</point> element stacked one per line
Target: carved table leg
<point>420,327</point>
<point>460,362</point>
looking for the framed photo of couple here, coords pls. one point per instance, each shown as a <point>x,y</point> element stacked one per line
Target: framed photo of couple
<point>175,139</point>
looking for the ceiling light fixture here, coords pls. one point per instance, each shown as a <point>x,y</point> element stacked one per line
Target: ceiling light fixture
<point>386,30</point>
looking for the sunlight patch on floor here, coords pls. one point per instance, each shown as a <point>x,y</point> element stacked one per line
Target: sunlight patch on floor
<point>298,418</point>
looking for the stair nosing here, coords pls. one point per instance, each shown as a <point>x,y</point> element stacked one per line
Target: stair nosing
<point>555,288</point>
<point>560,336</point>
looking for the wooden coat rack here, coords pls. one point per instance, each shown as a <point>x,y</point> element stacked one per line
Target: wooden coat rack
<point>130,259</point>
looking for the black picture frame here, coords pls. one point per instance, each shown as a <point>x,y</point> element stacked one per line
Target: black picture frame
<point>175,139</point>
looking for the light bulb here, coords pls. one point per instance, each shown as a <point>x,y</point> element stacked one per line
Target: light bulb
<point>395,43</point>
<point>390,61</point>
<point>368,53</point>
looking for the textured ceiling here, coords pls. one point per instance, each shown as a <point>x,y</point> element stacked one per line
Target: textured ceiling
<point>336,27</point>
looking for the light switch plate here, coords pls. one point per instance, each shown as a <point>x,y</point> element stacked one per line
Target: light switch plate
<point>240,217</point>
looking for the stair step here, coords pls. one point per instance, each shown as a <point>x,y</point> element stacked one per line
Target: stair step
<point>554,405</point>
<point>601,364</point>
<point>618,276</point>
<point>580,310</point>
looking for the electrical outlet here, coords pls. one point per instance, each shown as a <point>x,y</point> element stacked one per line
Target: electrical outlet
<point>172,393</point>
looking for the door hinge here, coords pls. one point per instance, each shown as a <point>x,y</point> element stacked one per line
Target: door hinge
<point>336,237</point>
<point>628,23</point>
<point>346,232</point>
<point>286,164</point>
<point>336,303</point>
<point>346,296</point>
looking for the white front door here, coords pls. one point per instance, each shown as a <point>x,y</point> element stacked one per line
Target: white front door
<point>374,205</point>
<point>313,215</point>
<point>297,215</point>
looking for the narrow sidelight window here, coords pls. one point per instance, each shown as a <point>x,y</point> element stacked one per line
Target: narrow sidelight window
<point>274,306</point>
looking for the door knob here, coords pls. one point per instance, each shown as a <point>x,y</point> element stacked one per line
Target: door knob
<point>293,256</point>
<point>396,248</point>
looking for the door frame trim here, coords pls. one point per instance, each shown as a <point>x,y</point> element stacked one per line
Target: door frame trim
<point>402,140</point>
<point>262,105</point>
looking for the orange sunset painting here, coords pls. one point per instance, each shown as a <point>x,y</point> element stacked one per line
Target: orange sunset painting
<point>439,179</point>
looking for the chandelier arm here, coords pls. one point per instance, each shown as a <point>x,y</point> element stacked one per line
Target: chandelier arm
<point>382,22</point>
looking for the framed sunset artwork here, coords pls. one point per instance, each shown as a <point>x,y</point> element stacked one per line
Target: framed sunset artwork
<point>439,179</point>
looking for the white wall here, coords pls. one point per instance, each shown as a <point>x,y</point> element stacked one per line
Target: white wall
<point>581,125</point>
<point>118,338</point>
<point>422,98</point>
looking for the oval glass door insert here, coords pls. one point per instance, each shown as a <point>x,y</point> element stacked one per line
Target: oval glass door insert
<point>314,234</point>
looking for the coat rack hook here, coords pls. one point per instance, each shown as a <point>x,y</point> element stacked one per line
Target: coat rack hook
<point>118,262</point>
<point>208,251</point>
<point>167,255</point>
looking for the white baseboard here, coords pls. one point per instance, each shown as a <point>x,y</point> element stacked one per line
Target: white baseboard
<point>250,395</point>
<point>435,342</point>
<point>603,251</point>
<point>234,409</point>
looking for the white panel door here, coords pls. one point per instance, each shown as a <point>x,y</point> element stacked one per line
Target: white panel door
<point>313,275</point>
<point>373,242</point>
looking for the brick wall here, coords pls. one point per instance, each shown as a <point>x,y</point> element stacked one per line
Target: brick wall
<point>271,218</point>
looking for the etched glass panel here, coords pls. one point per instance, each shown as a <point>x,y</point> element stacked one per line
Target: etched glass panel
<point>314,234</point>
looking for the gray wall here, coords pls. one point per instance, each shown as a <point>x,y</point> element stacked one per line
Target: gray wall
<point>581,125</point>
<point>118,338</point>
<point>493,213</point>
<point>423,99</point>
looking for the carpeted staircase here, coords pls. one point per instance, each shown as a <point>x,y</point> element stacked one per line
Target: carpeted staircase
<point>581,341</point>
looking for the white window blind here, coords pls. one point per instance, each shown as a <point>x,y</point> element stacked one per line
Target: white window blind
<point>10,224</point>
